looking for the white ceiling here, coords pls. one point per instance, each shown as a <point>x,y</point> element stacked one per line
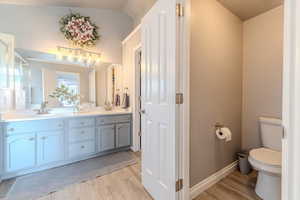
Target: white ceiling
<point>134,8</point>
<point>105,4</point>
<point>138,8</point>
<point>246,9</point>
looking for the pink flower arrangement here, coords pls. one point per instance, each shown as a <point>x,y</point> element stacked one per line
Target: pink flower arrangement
<point>79,30</point>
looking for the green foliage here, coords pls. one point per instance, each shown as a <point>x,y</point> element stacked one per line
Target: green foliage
<point>63,94</point>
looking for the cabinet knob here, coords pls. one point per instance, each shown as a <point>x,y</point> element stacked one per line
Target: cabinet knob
<point>31,139</point>
<point>82,146</point>
<point>44,138</point>
<point>60,125</point>
<point>82,123</point>
<point>82,132</point>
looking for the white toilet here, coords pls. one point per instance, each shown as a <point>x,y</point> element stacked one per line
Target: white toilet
<point>267,160</point>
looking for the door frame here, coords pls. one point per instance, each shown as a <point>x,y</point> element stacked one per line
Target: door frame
<point>291,102</point>
<point>184,88</point>
<point>136,144</point>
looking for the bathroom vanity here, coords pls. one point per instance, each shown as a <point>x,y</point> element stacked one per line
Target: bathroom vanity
<point>36,143</point>
<point>33,139</point>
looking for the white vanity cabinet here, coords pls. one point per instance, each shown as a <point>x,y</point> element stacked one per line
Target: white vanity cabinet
<point>50,147</point>
<point>35,145</point>
<point>20,151</point>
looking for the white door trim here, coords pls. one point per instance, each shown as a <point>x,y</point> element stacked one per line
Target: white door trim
<point>184,87</point>
<point>136,143</point>
<point>291,102</point>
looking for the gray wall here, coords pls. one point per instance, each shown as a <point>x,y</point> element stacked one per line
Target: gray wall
<point>262,72</point>
<point>216,86</point>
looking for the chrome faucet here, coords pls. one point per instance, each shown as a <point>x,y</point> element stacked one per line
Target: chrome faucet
<point>43,108</point>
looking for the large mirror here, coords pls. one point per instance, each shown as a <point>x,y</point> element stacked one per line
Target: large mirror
<point>41,79</point>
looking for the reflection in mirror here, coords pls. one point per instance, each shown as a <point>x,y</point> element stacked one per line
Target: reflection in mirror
<point>38,76</point>
<point>108,81</point>
<point>69,80</point>
<point>6,66</point>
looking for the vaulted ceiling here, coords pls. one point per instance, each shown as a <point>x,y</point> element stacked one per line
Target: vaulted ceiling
<point>246,9</point>
<point>134,8</point>
<point>105,4</point>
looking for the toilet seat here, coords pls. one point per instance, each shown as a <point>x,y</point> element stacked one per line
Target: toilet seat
<point>266,160</point>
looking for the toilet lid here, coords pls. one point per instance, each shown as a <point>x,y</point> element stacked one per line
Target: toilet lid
<point>266,156</point>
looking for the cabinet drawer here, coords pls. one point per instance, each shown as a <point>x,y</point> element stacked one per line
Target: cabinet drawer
<point>113,119</point>
<point>82,122</point>
<point>81,149</point>
<point>33,126</point>
<point>81,134</point>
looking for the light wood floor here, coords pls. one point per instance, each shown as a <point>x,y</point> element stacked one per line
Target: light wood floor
<point>234,187</point>
<point>125,184</point>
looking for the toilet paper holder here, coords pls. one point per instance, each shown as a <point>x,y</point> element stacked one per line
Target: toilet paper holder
<point>219,126</point>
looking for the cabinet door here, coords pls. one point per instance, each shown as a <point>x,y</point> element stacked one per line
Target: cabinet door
<point>50,147</point>
<point>106,137</point>
<point>20,152</point>
<point>123,135</point>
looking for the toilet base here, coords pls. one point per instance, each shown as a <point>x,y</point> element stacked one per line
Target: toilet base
<point>268,186</point>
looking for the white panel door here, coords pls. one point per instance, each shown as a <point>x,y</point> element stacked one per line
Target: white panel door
<point>158,88</point>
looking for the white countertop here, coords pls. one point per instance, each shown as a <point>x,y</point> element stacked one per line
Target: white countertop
<point>29,115</point>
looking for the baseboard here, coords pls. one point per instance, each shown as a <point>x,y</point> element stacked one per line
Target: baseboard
<point>211,180</point>
<point>134,149</point>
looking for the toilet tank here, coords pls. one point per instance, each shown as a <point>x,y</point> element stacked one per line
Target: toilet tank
<point>271,133</point>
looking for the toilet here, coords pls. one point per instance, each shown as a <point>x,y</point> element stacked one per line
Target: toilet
<point>267,159</point>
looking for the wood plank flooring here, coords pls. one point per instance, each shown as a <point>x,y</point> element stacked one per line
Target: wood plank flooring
<point>234,187</point>
<point>125,184</point>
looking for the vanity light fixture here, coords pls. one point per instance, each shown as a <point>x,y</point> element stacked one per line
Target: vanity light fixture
<point>77,55</point>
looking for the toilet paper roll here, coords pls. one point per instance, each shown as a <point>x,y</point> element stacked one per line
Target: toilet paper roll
<point>224,134</point>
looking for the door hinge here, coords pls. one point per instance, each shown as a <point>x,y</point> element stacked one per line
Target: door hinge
<point>179,185</point>
<point>179,10</point>
<point>179,98</point>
